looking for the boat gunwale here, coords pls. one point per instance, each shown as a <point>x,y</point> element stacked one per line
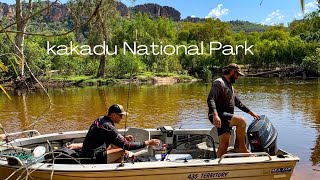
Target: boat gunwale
<point>146,165</point>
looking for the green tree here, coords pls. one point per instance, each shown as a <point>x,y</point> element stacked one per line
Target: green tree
<point>101,29</point>
<point>3,68</point>
<point>122,65</point>
<point>312,62</point>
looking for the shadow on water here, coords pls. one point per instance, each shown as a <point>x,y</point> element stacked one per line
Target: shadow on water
<point>292,105</point>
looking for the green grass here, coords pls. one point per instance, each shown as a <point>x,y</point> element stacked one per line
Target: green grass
<point>149,75</point>
<point>70,78</point>
<point>143,77</point>
<point>85,79</point>
<point>184,78</point>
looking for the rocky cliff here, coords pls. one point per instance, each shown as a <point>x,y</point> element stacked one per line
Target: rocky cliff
<point>155,10</point>
<point>7,11</point>
<point>123,9</point>
<point>59,13</point>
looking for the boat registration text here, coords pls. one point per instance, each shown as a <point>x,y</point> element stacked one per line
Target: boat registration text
<point>208,175</point>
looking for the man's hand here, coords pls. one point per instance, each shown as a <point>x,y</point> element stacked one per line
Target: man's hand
<point>75,146</point>
<point>129,138</point>
<point>216,120</point>
<point>152,142</point>
<point>254,115</point>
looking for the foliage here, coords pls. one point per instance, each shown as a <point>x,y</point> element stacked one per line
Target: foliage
<point>38,59</point>
<point>273,45</point>
<point>5,69</point>
<point>247,27</point>
<point>312,62</point>
<point>310,24</point>
<point>122,65</point>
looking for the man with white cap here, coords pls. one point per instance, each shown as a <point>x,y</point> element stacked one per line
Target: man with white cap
<point>102,132</point>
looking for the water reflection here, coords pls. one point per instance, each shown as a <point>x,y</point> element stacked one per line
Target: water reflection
<point>292,105</point>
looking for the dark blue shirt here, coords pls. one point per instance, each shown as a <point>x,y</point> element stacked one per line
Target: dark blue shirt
<point>102,131</point>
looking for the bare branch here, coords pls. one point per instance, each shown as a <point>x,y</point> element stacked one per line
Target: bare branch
<point>30,7</point>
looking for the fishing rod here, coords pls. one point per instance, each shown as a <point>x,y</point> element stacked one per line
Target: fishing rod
<point>129,86</point>
<point>128,97</point>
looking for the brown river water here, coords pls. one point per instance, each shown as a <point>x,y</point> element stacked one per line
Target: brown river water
<point>292,105</point>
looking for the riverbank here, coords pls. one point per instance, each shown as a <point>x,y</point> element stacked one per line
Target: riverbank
<point>57,81</point>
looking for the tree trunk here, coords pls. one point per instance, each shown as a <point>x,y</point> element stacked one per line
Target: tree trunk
<point>102,66</point>
<point>19,40</point>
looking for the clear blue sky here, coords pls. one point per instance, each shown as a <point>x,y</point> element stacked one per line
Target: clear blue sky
<point>269,12</point>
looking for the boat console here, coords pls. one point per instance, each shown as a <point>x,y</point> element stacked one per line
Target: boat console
<point>181,145</point>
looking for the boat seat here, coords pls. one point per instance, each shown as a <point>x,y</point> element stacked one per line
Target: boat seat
<point>204,146</point>
<point>214,134</point>
<point>140,135</point>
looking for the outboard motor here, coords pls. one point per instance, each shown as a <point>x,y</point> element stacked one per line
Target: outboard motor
<point>263,136</point>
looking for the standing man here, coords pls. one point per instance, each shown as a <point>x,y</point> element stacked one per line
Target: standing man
<point>221,101</point>
<point>102,132</point>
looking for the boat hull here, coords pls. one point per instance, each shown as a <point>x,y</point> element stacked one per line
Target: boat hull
<point>262,170</point>
<point>229,166</point>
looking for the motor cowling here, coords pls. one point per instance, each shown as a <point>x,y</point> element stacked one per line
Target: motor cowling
<point>262,136</point>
